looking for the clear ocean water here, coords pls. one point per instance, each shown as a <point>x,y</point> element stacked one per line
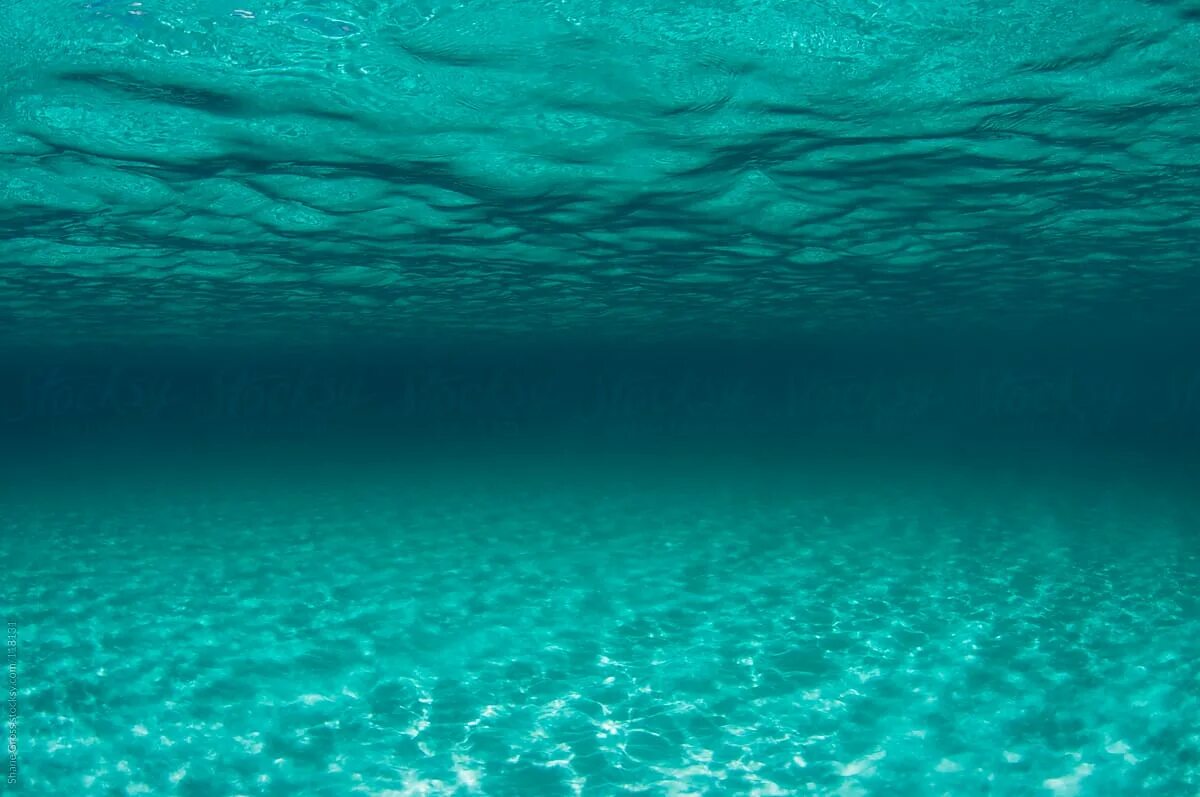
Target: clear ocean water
<point>600,398</point>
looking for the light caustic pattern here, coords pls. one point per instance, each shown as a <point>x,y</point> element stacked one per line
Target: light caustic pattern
<point>171,168</point>
<point>584,642</point>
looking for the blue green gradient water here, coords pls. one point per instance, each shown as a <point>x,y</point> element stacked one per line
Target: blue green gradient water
<point>574,398</point>
<point>533,580</point>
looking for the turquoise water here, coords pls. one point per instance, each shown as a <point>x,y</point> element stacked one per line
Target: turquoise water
<point>637,170</point>
<point>569,398</point>
<point>521,628</point>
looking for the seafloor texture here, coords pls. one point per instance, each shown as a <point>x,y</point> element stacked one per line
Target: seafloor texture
<point>597,636</point>
<point>173,167</point>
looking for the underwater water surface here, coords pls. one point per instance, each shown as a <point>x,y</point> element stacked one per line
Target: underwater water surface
<point>530,398</point>
<point>637,170</point>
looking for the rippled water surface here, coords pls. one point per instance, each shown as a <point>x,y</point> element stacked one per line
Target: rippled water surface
<point>595,397</point>
<point>618,168</point>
